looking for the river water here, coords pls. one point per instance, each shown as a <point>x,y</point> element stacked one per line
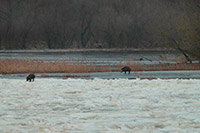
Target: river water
<point>103,57</point>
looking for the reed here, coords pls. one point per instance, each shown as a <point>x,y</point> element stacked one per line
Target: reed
<point>10,66</point>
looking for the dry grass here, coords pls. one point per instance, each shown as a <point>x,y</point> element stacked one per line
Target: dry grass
<point>168,67</point>
<point>9,66</point>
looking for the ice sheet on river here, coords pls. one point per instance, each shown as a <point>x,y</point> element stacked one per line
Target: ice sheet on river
<point>86,105</point>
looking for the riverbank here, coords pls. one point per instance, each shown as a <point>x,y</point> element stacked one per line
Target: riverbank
<point>91,60</point>
<point>12,66</point>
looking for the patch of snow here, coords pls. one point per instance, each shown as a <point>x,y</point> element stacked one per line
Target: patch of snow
<point>99,105</point>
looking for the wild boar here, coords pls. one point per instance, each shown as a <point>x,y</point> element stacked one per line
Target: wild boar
<point>30,77</point>
<point>126,69</point>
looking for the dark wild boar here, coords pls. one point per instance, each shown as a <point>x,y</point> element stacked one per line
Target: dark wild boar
<point>126,69</point>
<point>30,77</point>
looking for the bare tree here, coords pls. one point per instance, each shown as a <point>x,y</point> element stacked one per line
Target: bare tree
<point>101,23</point>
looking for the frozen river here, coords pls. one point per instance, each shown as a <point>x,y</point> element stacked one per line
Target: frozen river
<point>99,105</point>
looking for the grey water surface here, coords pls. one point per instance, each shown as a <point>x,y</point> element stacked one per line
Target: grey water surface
<point>112,57</point>
<point>193,74</point>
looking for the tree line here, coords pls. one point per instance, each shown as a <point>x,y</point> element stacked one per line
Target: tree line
<point>26,24</point>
